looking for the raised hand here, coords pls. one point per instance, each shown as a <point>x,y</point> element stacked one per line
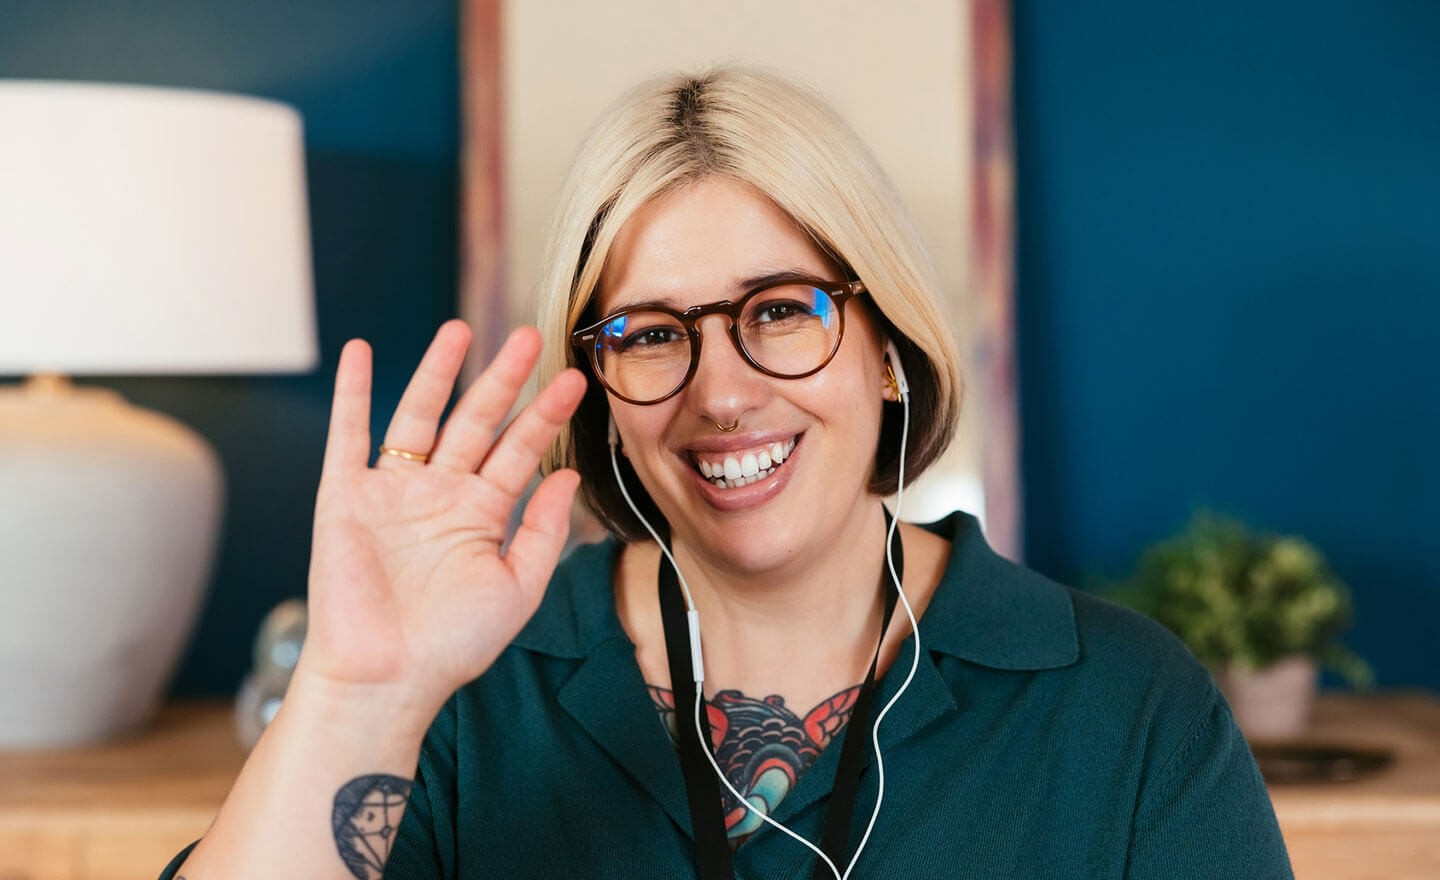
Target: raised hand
<point>409,589</point>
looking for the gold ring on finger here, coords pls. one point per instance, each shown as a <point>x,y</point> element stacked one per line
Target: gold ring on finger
<point>420,457</point>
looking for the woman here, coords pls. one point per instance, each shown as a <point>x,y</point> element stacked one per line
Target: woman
<point>734,302</point>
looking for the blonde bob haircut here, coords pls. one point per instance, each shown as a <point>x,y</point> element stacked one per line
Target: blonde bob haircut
<point>782,139</point>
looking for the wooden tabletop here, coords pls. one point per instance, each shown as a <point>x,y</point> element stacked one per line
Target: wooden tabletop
<point>1405,793</point>
<point>180,768</point>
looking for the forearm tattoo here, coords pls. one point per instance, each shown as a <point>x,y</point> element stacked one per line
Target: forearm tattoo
<point>366,819</point>
<point>761,745</point>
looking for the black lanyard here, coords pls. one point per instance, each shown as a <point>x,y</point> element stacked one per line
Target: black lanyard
<point>712,848</point>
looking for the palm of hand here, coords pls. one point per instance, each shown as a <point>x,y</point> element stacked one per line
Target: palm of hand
<point>408,582</point>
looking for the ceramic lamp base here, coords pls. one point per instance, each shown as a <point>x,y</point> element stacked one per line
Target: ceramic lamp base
<point>108,522</point>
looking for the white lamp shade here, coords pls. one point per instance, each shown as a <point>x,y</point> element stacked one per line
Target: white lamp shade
<point>147,230</point>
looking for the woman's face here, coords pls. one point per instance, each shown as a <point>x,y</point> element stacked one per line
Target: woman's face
<point>707,242</point>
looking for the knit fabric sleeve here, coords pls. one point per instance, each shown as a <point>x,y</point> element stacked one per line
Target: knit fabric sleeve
<point>174,867</point>
<point>425,845</point>
<point>1205,811</point>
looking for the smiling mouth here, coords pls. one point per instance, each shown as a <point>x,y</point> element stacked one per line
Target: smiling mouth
<point>731,470</point>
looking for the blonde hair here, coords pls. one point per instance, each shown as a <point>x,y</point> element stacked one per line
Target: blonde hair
<point>765,130</point>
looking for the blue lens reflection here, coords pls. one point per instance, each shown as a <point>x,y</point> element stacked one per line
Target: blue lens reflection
<point>822,306</point>
<point>615,329</point>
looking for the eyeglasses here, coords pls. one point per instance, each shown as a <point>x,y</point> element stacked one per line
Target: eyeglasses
<point>788,329</point>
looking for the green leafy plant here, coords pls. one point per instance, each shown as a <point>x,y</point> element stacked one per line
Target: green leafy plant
<point>1244,600</point>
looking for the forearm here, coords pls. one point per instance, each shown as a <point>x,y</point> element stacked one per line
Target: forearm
<point>323,792</point>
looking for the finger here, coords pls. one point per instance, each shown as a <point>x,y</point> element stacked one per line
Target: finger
<point>417,417</point>
<point>470,430</point>
<point>347,447</point>
<point>515,456</point>
<point>536,547</point>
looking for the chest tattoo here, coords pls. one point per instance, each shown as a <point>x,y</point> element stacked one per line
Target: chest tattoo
<point>761,745</point>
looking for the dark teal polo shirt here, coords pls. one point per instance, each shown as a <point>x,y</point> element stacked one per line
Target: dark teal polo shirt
<point>1047,733</point>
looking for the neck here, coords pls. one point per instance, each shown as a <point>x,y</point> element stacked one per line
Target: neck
<point>809,623</point>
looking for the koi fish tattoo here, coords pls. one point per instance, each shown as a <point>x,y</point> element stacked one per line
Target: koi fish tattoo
<point>761,745</point>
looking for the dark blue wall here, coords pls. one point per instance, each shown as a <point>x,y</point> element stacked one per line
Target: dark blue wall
<point>1229,289</point>
<point>1229,271</point>
<point>378,86</point>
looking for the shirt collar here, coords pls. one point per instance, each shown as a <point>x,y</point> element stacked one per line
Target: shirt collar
<point>987,609</point>
<point>994,612</point>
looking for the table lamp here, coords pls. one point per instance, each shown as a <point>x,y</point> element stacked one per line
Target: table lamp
<point>143,231</point>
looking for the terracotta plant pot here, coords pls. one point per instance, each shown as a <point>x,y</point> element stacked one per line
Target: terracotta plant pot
<point>1274,702</point>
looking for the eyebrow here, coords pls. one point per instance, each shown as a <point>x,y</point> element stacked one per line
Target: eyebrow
<point>737,289</point>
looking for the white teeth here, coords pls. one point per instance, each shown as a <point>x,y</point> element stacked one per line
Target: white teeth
<point>734,472</point>
<point>722,483</point>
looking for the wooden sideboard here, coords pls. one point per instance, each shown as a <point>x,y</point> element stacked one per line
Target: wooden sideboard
<point>121,811</point>
<point>1380,827</point>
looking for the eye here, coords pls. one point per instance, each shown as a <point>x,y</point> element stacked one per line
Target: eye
<point>642,333</point>
<point>650,337</point>
<point>788,306</point>
<point>780,310</point>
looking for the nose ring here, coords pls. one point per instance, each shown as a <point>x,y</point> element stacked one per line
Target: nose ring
<point>728,428</point>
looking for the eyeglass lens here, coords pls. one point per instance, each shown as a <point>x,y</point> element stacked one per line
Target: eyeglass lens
<point>789,330</point>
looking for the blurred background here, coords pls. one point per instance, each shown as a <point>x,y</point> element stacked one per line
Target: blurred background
<point>1227,277</point>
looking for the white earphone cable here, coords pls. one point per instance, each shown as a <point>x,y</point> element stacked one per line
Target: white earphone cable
<point>615,465</point>
<point>699,670</point>
<point>914,631</point>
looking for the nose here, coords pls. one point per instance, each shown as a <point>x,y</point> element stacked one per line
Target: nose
<point>725,387</point>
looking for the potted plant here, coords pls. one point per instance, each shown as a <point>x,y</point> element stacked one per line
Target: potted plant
<point>1262,611</point>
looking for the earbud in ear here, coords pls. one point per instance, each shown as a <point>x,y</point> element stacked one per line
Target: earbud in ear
<point>897,370</point>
